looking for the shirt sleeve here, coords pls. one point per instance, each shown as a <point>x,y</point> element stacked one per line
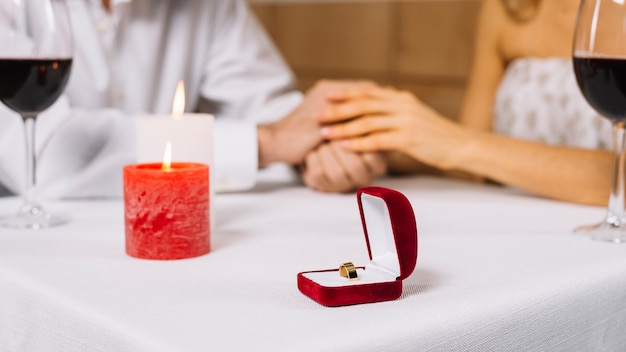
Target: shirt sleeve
<point>236,156</point>
<point>247,83</point>
<point>245,77</point>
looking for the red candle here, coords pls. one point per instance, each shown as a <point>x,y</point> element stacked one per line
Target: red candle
<point>167,211</point>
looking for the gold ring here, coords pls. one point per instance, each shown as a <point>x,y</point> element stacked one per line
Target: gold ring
<point>348,271</point>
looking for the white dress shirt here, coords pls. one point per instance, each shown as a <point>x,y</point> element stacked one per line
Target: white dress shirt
<point>128,62</point>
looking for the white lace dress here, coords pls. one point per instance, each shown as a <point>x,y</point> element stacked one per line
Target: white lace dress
<point>539,100</point>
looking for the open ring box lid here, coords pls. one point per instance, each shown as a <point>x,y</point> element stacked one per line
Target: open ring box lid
<point>391,235</point>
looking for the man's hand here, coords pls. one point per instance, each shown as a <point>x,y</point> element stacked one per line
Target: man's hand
<point>290,139</point>
<point>330,168</point>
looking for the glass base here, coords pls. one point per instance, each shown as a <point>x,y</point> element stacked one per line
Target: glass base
<point>605,231</point>
<point>32,217</point>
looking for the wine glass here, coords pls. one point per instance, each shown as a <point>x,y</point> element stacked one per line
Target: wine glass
<point>35,62</point>
<point>599,59</point>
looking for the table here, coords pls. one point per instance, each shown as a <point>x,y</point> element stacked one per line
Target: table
<point>498,270</point>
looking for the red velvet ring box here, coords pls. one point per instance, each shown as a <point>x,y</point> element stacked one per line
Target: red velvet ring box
<point>391,235</point>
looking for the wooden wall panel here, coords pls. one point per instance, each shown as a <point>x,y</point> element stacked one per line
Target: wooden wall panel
<point>435,39</point>
<point>333,36</point>
<point>421,46</point>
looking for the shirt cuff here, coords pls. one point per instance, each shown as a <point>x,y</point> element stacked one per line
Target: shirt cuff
<point>236,156</point>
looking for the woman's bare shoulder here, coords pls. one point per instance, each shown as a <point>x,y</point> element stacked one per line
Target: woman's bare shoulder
<point>552,22</point>
<point>494,22</point>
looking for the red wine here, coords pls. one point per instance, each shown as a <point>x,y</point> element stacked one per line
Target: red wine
<point>30,86</point>
<point>603,83</point>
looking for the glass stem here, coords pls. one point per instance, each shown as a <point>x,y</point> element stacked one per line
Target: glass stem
<point>615,210</point>
<point>30,195</point>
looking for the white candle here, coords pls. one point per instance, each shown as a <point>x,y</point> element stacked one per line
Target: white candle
<point>191,134</point>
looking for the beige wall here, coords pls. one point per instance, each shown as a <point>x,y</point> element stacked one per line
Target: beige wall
<point>422,46</point>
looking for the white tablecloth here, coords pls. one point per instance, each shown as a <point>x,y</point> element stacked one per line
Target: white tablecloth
<point>497,270</point>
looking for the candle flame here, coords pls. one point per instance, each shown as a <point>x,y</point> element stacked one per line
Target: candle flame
<point>167,157</point>
<point>178,107</point>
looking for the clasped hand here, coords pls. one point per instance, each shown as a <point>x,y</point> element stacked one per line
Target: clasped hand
<point>323,165</point>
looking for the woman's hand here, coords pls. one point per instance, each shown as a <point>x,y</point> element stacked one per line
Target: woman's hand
<point>384,119</point>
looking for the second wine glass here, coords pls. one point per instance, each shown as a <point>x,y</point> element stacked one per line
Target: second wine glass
<point>35,63</point>
<point>600,65</point>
